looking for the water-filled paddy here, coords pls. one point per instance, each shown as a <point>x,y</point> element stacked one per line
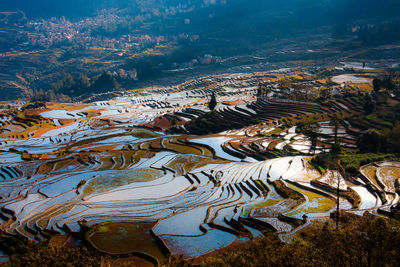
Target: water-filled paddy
<point>193,246</point>
<point>125,238</point>
<point>315,203</point>
<point>108,180</point>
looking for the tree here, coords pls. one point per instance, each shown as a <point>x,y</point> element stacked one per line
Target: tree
<point>104,82</point>
<point>335,122</point>
<point>311,131</point>
<point>147,69</point>
<point>393,140</point>
<point>371,141</point>
<point>325,93</point>
<point>377,84</point>
<point>387,81</point>
<point>84,81</point>
<point>340,173</point>
<point>213,102</point>
<point>262,91</point>
<point>369,106</point>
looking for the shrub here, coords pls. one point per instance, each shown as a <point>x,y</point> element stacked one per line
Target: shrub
<point>23,252</point>
<point>360,241</point>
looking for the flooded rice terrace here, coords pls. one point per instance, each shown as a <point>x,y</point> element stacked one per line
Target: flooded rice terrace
<point>110,168</point>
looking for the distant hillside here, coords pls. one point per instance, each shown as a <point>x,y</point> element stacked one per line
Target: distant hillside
<point>70,8</point>
<point>190,29</point>
<point>305,11</point>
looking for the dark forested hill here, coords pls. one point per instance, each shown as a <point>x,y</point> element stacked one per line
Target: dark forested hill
<point>69,8</point>
<point>305,11</point>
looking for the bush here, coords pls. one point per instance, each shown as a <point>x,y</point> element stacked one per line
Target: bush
<point>23,252</point>
<point>353,162</point>
<point>360,241</point>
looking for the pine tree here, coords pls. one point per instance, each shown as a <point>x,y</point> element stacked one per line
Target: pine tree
<point>213,102</point>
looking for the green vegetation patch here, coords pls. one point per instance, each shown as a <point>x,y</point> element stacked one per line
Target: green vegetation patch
<point>108,180</point>
<point>275,131</point>
<point>143,133</point>
<point>353,162</point>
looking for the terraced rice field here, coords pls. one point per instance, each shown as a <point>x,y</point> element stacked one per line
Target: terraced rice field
<point>125,238</point>
<point>150,194</point>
